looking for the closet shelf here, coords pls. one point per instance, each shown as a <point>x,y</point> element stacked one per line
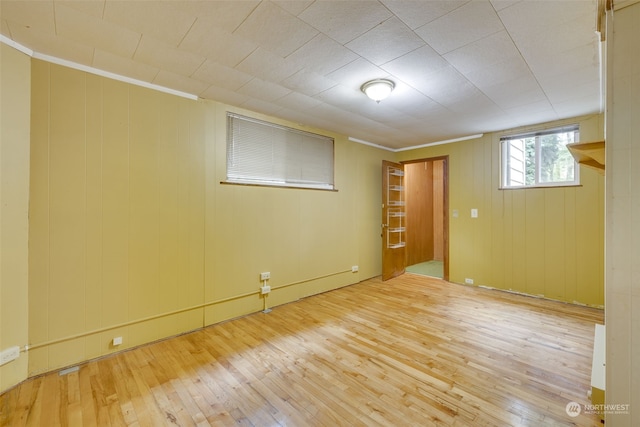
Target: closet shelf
<point>397,230</point>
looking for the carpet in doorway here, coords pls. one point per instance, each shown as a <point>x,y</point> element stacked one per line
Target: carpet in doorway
<point>428,268</point>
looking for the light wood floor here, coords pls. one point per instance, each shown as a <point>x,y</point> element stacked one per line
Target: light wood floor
<point>413,351</point>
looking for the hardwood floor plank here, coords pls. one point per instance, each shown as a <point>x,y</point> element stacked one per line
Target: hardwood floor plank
<point>53,390</point>
<point>409,351</point>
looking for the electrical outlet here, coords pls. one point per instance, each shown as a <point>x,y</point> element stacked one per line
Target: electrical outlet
<point>354,268</point>
<point>265,289</point>
<point>265,276</point>
<point>468,281</point>
<point>12,353</point>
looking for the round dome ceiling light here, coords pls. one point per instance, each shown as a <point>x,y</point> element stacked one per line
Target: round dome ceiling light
<point>378,89</point>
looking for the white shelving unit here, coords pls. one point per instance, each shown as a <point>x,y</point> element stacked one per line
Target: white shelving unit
<point>396,223</point>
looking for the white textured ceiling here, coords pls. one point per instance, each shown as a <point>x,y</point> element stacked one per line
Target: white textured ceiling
<point>460,67</point>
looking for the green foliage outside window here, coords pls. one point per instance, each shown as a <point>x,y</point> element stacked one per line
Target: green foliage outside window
<point>544,158</point>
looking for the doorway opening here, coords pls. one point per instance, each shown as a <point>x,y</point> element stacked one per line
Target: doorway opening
<point>426,199</point>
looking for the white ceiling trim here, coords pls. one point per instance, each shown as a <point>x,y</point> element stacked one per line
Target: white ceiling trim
<point>415,147</point>
<point>370,144</point>
<point>446,141</point>
<point>16,45</point>
<point>96,71</point>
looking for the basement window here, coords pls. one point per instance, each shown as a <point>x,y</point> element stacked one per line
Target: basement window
<point>539,159</point>
<point>263,153</point>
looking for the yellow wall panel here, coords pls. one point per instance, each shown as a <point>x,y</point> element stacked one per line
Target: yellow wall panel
<point>67,202</point>
<point>168,206</point>
<point>39,208</point>
<point>195,128</point>
<point>504,216</point>
<point>66,353</point>
<point>232,309</point>
<point>589,245</point>
<point>519,241</point>
<point>115,203</point>
<point>535,248</point>
<point>555,245</point>
<point>570,238</point>
<point>486,208</point>
<point>93,191</point>
<point>15,72</point>
<point>143,203</point>
<point>287,215</point>
<point>368,181</point>
<point>499,250</point>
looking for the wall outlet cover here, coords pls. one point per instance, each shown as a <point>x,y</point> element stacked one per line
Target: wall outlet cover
<point>11,353</point>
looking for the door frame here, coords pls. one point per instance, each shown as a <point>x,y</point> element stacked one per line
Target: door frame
<point>445,207</point>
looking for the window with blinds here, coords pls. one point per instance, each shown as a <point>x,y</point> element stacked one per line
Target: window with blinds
<point>539,159</point>
<point>263,153</point>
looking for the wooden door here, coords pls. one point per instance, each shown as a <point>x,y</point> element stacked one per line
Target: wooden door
<point>394,231</point>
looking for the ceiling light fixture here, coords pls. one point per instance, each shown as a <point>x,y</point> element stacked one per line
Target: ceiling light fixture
<point>378,89</point>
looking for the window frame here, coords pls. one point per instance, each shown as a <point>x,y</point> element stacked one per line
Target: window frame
<point>504,139</point>
<point>276,178</point>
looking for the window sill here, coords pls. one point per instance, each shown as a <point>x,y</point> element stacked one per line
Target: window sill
<point>294,187</point>
<point>527,187</point>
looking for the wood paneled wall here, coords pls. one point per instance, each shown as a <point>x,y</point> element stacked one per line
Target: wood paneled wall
<point>116,215</point>
<point>132,233</point>
<point>438,210</point>
<point>15,73</point>
<point>419,209</point>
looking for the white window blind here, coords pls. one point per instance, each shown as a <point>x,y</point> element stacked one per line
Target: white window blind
<point>265,153</point>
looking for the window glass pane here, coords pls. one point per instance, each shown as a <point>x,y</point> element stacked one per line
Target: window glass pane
<point>530,156</point>
<point>556,163</point>
<point>516,166</point>
<point>539,159</point>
